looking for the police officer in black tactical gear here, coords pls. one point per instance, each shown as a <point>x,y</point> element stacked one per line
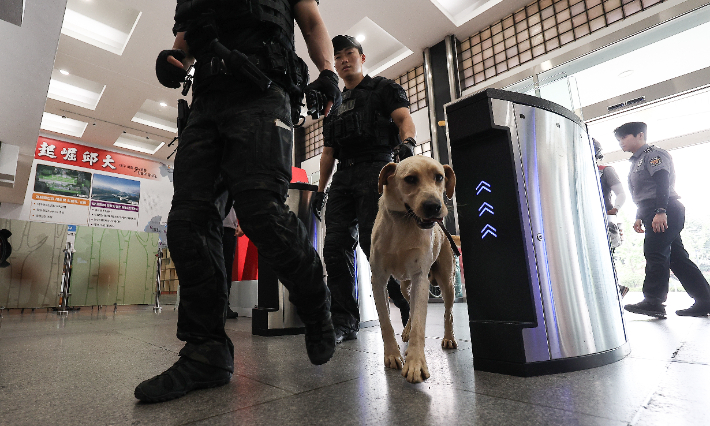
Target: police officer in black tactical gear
<point>651,183</point>
<point>239,131</point>
<point>371,123</point>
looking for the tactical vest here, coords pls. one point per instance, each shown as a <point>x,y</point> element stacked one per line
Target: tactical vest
<point>238,21</point>
<point>358,123</point>
<point>247,13</point>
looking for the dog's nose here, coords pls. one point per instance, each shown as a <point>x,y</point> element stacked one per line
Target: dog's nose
<point>431,208</point>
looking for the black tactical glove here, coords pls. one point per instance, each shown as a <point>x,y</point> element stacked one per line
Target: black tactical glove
<point>404,150</point>
<point>327,84</point>
<point>168,74</point>
<point>317,204</point>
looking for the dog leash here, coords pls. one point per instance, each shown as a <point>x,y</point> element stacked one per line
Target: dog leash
<point>455,249</point>
<point>457,253</point>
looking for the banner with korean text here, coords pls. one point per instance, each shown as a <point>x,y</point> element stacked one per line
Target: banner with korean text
<point>78,185</point>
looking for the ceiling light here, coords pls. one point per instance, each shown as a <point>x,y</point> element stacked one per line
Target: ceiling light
<point>626,73</point>
<point>461,11</point>
<point>360,38</point>
<point>157,114</point>
<point>138,143</point>
<point>63,125</point>
<point>64,72</point>
<point>108,27</point>
<point>75,90</point>
<point>383,51</point>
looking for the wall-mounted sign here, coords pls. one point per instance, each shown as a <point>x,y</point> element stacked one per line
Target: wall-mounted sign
<point>97,159</point>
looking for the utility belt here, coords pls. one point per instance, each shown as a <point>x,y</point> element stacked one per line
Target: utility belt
<point>648,205</point>
<point>354,129</point>
<point>369,158</point>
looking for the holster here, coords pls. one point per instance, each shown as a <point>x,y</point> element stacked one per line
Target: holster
<point>183,115</point>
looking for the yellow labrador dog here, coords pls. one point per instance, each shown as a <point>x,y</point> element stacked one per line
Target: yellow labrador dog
<point>407,245</point>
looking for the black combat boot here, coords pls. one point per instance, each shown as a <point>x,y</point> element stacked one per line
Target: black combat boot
<point>320,339</point>
<point>701,308</point>
<point>343,333</point>
<point>184,376</point>
<point>646,307</point>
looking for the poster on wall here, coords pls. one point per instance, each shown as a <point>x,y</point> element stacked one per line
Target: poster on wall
<point>114,202</point>
<point>60,195</point>
<point>81,185</point>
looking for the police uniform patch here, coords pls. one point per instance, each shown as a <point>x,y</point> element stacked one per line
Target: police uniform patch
<point>401,94</point>
<point>655,161</point>
<point>639,165</point>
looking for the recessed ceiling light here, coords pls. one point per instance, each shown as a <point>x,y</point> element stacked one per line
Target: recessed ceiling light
<point>360,38</point>
<point>157,114</point>
<point>75,90</point>
<point>462,11</point>
<point>385,50</point>
<point>626,73</point>
<point>64,72</point>
<point>63,125</point>
<point>138,143</point>
<point>108,26</point>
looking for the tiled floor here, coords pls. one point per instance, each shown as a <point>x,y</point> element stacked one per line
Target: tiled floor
<point>83,369</point>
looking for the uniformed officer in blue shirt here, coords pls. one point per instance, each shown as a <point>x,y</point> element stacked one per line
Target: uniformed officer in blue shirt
<point>651,183</point>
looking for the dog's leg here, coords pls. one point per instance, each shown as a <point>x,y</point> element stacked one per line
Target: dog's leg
<point>443,271</point>
<point>405,286</point>
<point>393,356</point>
<point>415,368</point>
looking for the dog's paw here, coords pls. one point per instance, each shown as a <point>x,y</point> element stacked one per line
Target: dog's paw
<point>415,369</point>
<point>394,361</point>
<point>449,343</point>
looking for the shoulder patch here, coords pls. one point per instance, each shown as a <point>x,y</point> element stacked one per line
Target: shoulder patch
<point>401,94</point>
<point>655,161</point>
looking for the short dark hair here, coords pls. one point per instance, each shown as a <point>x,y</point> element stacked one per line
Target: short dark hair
<point>341,42</point>
<point>632,128</point>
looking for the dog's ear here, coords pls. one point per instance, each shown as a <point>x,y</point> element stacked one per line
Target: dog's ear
<point>385,173</point>
<point>450,181</point>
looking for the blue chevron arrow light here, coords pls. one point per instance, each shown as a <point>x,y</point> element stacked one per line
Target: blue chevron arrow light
<point>485,207</point>
<point>488,229</point>
<point>483,186</point>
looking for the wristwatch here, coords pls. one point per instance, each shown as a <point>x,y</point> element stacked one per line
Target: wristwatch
<point>660,210</point>
<point>410,140</point>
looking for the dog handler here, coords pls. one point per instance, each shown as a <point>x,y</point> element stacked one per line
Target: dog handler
<point>361,134</point>
<point>651,181</point>
<point>240,127</point>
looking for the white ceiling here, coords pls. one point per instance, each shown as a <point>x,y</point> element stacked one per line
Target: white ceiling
<point>129,78</point>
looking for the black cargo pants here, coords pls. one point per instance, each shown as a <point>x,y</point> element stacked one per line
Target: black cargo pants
<point>349,218</point>
<point>246,139</point>
<point>664,252</point>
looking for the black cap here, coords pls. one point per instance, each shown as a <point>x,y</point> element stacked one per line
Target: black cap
<point>597,149</point>
<point>341,42</point>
